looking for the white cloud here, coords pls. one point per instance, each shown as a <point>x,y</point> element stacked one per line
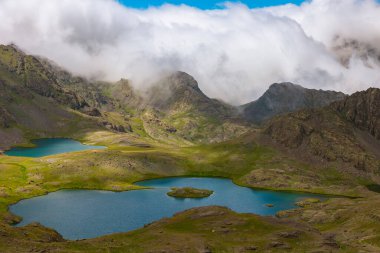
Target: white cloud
<point>234,53</point>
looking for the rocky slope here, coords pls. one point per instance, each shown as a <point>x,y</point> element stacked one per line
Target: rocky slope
<point>34,103</point>
<point>343,133</point>
<point>23,70</point>
<point>282,98</point>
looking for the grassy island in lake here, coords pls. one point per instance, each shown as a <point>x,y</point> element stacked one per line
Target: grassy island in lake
<point>189,192</point>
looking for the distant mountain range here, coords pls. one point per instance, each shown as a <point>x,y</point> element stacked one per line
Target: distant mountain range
<point>40,99</point>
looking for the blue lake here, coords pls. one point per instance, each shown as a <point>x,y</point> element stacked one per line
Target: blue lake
<point>52,146</point>
<point>79,214</point>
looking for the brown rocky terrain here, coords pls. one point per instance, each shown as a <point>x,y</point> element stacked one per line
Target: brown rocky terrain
<point>343,221</point>
<point>334,133</point>
<point>5,118</point>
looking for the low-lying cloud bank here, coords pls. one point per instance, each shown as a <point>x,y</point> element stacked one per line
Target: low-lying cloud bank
<point>234,53</point>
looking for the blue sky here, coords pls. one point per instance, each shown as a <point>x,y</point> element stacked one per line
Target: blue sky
<point>205,4</point>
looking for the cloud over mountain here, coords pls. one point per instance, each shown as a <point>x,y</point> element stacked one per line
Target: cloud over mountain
<point>234,53</point>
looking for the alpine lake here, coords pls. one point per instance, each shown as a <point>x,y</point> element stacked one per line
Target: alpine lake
<point>81,214</point>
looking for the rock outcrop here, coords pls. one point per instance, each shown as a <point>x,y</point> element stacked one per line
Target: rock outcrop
<point>363,110</point>
<point>5,118</point>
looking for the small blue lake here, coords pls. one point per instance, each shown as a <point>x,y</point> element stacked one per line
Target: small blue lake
<point>79,214</point>
<point>52,146</point>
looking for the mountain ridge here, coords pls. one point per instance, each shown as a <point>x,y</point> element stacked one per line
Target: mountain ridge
<point>186,114</point>
<point>174,109</point>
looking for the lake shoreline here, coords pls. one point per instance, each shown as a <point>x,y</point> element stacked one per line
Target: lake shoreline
<point>60,146</point>
<point>254,202</point>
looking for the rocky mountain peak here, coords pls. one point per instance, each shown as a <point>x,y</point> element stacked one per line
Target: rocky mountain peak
<point>182,79</point>
<point>179,93</point>
<point>287,97</point>
<point>283,86</point>
<point>175,89</point>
